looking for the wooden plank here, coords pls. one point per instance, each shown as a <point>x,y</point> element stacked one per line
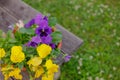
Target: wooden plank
<point>20,10</point>
<point>5,19</point>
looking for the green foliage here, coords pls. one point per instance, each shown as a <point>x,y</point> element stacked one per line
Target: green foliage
<point>56,37</point>
<point>52,21</point>
<point>26,31</point>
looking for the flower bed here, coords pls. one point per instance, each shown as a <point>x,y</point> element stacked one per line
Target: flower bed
<point>31,47</point>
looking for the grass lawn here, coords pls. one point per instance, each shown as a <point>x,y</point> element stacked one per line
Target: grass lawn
<point>97,22</point>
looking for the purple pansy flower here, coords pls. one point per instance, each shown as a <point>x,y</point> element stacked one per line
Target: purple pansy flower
<point>46,39</point>
<point>43,31</point>
<point>30,23</point>
<point>34,42</point>
<point>67,58</point>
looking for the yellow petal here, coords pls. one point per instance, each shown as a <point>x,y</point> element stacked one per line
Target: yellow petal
<point>44,50</point>
<point>51,67</point>
<point>36,61</point>
<point>16,54</point>
<point>48,77</point>
<point>39,72</point>
<point>2,53</point>
<point>48,64</point>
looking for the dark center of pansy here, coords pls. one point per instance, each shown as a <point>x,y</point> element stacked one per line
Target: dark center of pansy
<point>43,34</point>
<point>33,44</point>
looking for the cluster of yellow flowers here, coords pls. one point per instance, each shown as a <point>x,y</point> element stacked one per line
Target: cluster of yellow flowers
<point>11,71</point>
<point>45,70</point>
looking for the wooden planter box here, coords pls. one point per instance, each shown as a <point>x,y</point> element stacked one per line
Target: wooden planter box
<point>13,10</point>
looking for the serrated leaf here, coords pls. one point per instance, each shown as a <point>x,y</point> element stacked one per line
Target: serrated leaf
<point>56,37</point>
<point>52,21</point>
<point>26,31</point>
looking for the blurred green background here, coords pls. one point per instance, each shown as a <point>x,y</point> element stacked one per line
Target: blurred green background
<point>97,22</point>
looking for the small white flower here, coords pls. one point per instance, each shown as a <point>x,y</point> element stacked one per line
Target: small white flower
<point>76,17</point>
<point>117,43</point>
<point>110,23</point>
<point>80,62</point>
<point>20,24</point>
<point>93,41</point>
<point>91,57</point>
<point>81,59</point>
<point>78,67</point>
<point>110,76</point>
<point>77,7</point>
<point>89,78</point>
<point>96,78</point>
<point>77,57</point>
<point>101,71</point>
<point>81,24</point>
<point>83,31</point>
<point>79,72</point>
<point>101,10</point>
<point>101,79</point>
<point>113,17</point>
<point>114,68</point>
<point>98,54</point>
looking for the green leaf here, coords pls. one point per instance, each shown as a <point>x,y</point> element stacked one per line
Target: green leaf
<point>56,37</point>
<point>55,52</point>
<point>20,65</point>
<point>52,21</point>
<point>8,33</point>
<point>1,33</point>
<point>26,31</point>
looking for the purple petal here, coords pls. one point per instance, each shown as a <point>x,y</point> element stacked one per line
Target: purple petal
<point>67,58</point>
<point>36,39</point>
<point>38,18</point>
<point>11,27</point>
<point>45,18</point>
<point>43,23</point>
<point>53,45</point>
<point>46,40</point>
<point>31,44</point>
<point>30,23</point>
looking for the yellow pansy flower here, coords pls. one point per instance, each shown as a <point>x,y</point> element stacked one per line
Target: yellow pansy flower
<point>36,61</point>
<point>51,67</point>
<point>16,73</point>
<point>2,53</point>
<point>39,72</point>
<point>6,76</point>
<point>44,50</point>
<point>48,77</point>
<point>16,54</point>
<point>9,71</point>
<point>16,49</point>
